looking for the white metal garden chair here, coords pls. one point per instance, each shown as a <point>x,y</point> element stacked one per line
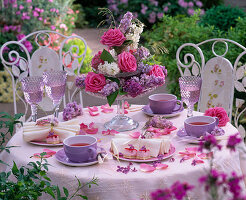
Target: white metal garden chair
<point>219,77</point>
<point>55,51</point>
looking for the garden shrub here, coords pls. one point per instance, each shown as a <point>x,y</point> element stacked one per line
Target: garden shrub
<point>151,11</point>
<point>171,33</point>
<point>222,17</point>
<point>209,4</point>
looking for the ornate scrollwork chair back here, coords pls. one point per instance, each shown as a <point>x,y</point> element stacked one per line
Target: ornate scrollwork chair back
<point>54,51</point>
<point>221,78</point>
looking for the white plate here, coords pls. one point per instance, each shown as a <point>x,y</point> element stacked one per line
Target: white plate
<point>146,110</point>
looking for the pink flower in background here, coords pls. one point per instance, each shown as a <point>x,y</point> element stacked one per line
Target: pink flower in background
<point>45,21</point>
<point>35,13</point>
<point>18,12</point>
<point>152,17</point>
<point>52,27</point>
<point>127,62</point>
<point>157,71</point>
<point>96,60</point>
<point>183,4</point>
<point>190,4</point>
<point>113,37</point>
<point>94,82</point>
<point>77,11</point>
<point>63,26</point>
<point>42,10</point>
<point>29,1</point>
<point>37,9</point>
<point>144,8</point>
<point>21,7</point>
<point>40,19</point>
<point>15,5</point>
<point>190,11</point>
<point>5,28</point>
<point>165,9</point>
<point>51,1</point>
<point>220,113</point>
<point>199,4</point>
<point>159,15</point>
<point>26,43</point>
<point>124,1</point>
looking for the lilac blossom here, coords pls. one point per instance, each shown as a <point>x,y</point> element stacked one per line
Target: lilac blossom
<point>180,189</point>
<point>72,110</point>
<point>152,17</point>
<point>126,169</point>
<point>158,122</point>
<point>142,53</point>
<point>165,9</point>
<point>125,22</point>
<point>183,4</point>
<point>80,81</point>
<point>209,142</point>
<point>143,9</point>
<point>190,11</point>
<point>148,81</point>
<point>234,185</point>
<point>217,131</point>
<point>161,194</point>
<point>109,88</point>
<point>199,4</point>
<point>144,68</point>
<point>159,15</point>
<point>132,87</point>
<point>154,2</point>
<point>233,141</point>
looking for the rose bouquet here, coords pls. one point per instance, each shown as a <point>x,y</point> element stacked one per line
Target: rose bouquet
<point>123,68</point>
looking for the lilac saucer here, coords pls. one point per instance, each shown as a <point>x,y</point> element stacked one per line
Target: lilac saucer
<point>190,139</point>
<point>147,110</point>
<point>62,158</point>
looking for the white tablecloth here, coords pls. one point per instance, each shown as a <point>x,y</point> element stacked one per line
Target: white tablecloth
<point>116,185</point>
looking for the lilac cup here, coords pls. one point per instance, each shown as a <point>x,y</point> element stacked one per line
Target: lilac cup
<point>164,103</point>
<point>202,125</point>
<point>80,153</point>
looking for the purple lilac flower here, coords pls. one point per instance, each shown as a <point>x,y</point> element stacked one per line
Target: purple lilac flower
<point>159,15</point>
<point>154,2</point>
<point>165,9</point>
<point>234,185</point>
<point>148,81</point>
<point>72,110</point>
<point>171,159</point>
<point>26,43</point>
<point>233,141</point>
<point>180,190</point>
<point>145,68</point>
<point>125,22</point>
<point>190,4</point>
<point>126,169</point>
<point>199,4</point>
<point>161,194</point>
<point>143,148</point>
<point>159,122</point>
<point>143,8</point>
<point>124,1</point>
<point>142,53</point>
<point>80,81</point>
<point>217,131</point>
<point>109,88</point>
<point>190,11</point>
<point>132,87</point>
<point>209,141</point>
<point>131,147</point>
<point>152,17</point>
<point>183,4</point>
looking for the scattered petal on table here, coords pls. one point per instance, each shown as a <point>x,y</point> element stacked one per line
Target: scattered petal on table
<point>109,132</point>
<point>126,105</point>
<point>161,166</point>
<point>106,106</point>
<point>205,155</point>
<point>93,114</point>
<point>147,168</point>
<point>107,110</point>
<point>125,111</point>
<point>196,161</point>
<point>83,126</point>
<point>186,153</point>
<point>185,158</point>
<point>135,135</point>
<point>93,109</point>
<point>192,149</point>
<point>91,130</point>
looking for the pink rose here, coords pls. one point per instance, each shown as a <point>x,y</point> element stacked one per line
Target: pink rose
<point>127,62</point>
<point>94,82</point>
<point>113,37</point>
<point>96,60</point>
<point>220,113</point>
<point>157,71</point>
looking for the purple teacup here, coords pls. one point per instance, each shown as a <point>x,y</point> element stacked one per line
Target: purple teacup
<point>164,103</point>
<point>80,148</point>
<point>198,126</point>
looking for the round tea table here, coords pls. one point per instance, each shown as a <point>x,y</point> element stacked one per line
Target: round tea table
<point>133,185</point>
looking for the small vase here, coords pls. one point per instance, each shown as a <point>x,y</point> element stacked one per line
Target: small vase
<point>121,122</point>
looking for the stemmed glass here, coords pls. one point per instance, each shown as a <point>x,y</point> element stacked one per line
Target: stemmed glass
<point>190,87</point>
<point>55,85</point>
<point>32,87</point>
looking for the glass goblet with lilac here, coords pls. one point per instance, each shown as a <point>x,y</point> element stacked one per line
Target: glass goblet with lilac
<point>55,85</point>
<point>32,88</point>
<point>190,87</point>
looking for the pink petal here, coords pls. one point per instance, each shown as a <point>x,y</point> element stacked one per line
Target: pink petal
<point>186,153</point>
<point>151,129</point>
<point>205,155</point>
<point>91,130</point>
<point>93,114</point>
<point>113,132</point>
<point>157,130</point>
<point>83,126</point>
<point>191,149</point>
<point>82,132</point>
<point>161,166</point>
<point>135,135</point>
<point>49,152</point>
<point>126,105</point>
<point>91,125</point>
<point>173,128</point>
<point>146,168</point>
<point>199,161</point>
<point>107,110</point>
<point>106,106</point>
<point>125,111</point>
<point>93,109</point>
<point>107,132</point>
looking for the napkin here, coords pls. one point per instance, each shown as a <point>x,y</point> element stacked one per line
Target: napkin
<point>33,132</point>
<point>155,145</point>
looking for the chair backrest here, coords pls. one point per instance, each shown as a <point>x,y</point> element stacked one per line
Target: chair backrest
<point>219,77</point>
<point>54,51</point>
